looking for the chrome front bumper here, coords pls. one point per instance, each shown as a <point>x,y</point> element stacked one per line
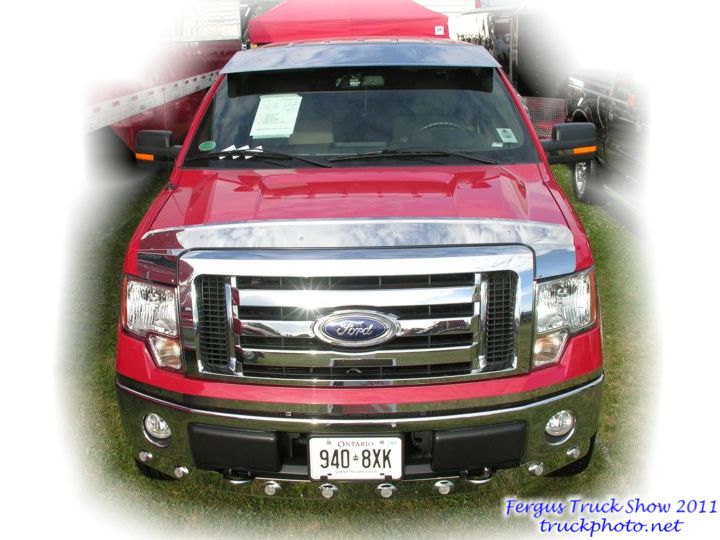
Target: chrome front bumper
<point>176,458</point>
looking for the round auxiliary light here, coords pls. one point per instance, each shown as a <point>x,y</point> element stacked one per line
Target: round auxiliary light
<point>560,424</point>
<point>156,427</point>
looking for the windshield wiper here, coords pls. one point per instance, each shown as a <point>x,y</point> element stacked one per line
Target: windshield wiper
<point>412,152</point>
<point>256,154</point>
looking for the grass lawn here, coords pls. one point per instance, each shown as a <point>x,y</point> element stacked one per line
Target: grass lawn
<point>108,473</point>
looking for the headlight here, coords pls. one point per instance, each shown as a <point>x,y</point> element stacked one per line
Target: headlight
<point>149,310</point>
<point>149,307</point>
<point>562,307</point>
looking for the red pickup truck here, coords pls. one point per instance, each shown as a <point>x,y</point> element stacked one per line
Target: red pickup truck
<point>361,277</point>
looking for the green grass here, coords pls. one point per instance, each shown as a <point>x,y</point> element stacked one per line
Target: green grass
<point>106,465</point>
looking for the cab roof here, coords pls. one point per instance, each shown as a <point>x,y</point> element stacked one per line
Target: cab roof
<point>356,53</point>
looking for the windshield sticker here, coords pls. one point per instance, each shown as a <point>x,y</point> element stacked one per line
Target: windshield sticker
<point>246,147</point>
<point>207,146</point>
<point>506,135</point>
<point>276,116</point>
<point>497,145</point>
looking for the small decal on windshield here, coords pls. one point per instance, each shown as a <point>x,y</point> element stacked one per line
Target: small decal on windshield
<point>276,116</point>
<point>246,147</point>
<point>207,146</point>
<point>506,135</point>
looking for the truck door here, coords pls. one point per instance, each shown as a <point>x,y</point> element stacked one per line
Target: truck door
<point>624,131</point>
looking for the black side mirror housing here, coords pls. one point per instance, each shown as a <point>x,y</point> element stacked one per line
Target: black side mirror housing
<point>155,145</point>
<point>570,143</point>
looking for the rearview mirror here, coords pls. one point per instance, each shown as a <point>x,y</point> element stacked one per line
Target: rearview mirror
<point>155,145</point>
<point>571,143</point>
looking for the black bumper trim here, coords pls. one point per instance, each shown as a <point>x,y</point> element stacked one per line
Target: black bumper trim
<point>499,446</point>
<point>216,447</point>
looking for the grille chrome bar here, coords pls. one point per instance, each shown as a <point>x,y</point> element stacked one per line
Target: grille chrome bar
<point>444,317</point>
<point>449,355</point>
<point>356,282</point>
<point>289,313</point>
<point>304,329</point>
<point>318,299</point>
<point>369,373</point>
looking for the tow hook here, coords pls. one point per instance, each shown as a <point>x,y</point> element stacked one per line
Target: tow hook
<point>236,479</point>
<point>477,478</point>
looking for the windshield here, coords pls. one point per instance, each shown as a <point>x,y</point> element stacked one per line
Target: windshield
<point>399,115</point>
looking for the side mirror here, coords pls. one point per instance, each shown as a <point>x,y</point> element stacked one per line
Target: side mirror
<point>571,143</point>
<point>155,145</point>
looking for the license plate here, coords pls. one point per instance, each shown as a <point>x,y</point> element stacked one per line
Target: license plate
<point>355,458</point>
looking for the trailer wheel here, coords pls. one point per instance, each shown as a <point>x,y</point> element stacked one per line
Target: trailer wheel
<point>586,182</point>
<point>576,467</point>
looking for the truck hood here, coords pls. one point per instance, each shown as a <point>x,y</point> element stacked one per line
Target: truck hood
<point>217,196</point>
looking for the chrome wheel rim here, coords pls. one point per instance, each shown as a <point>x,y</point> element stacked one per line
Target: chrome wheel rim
<point>581,173</point>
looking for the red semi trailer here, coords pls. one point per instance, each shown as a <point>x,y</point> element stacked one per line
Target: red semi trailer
<point>180,69</point>
<point>203,39</point>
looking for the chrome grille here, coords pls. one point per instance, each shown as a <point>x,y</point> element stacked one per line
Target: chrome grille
<point>447,329</point>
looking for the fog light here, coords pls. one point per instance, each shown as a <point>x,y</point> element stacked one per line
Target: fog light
<point>166,351</point>
<point>560,424</point>
<point>156,427</point>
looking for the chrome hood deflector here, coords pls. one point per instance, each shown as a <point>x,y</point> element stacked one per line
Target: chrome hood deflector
<point>552,244</point>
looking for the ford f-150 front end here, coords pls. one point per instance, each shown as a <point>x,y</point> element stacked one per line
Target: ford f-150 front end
<point>361,276</point>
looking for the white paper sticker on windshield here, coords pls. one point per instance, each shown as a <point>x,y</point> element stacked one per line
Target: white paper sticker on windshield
<point>506,135</point>
<point>276,116</point>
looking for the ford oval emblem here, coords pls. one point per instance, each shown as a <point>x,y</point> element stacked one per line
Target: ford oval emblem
<point>356,328</point>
